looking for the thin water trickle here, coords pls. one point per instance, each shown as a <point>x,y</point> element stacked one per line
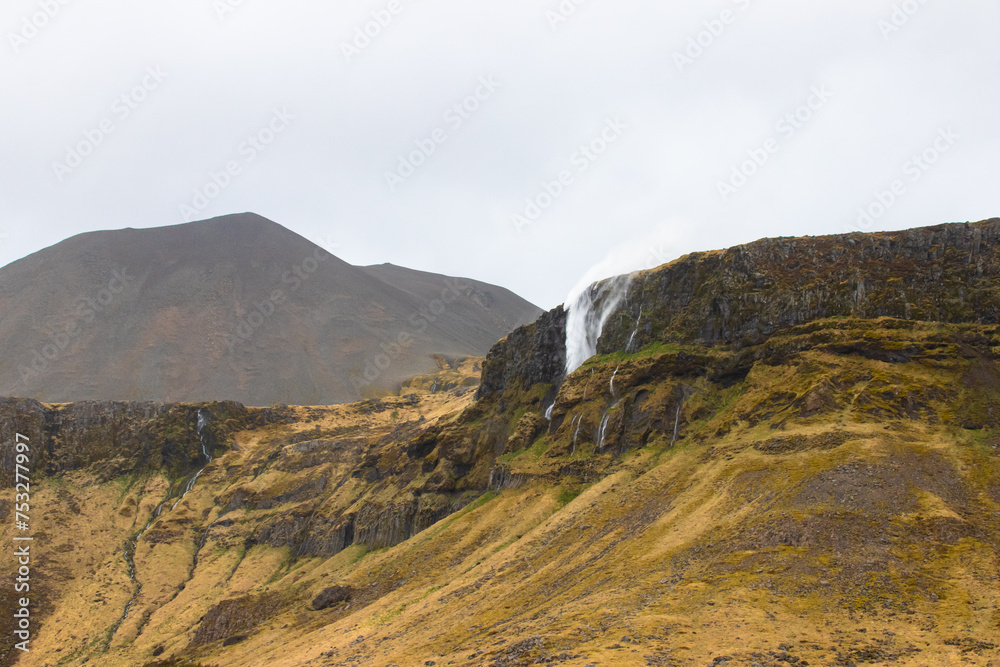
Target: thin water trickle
<point>603,428</point>
<point>200,430</point>
<point>132,545</point>
<point>677,420</point>
<point>628,347</point>
<point>577,419</point>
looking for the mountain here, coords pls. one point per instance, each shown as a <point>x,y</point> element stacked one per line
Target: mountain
<point>783,453</point>
<point>236,308</point>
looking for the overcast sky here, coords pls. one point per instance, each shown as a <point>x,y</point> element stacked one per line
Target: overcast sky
<point>672,126</point>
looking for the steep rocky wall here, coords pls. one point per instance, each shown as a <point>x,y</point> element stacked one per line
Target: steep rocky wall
<point>530,354</point>
<point>308,532</point>
<point>116,437</point>
<point>946,273</point>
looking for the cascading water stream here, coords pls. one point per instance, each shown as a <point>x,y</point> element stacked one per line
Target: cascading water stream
<point>601,431</point>
<point>586,314</point>
<point>628,346</point>
<point>130,547</point>
<point>200,430</point>
<point>677,421</point>
<point>577,420</point>
<point>133,544</point>
<point>613,381</point>
<point>548,412</point>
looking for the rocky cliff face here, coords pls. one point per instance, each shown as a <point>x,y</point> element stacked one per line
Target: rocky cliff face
<point>531,354</point>
<point>115,438</point>
<point>946,273</point>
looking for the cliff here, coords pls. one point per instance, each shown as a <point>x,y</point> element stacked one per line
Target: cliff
<point>946,273</point>
<point>113,438</point>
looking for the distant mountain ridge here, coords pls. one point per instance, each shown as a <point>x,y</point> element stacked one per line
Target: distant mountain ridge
<point>237,308</point>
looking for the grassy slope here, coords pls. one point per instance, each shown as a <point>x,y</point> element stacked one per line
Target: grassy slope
<point>840,503</point>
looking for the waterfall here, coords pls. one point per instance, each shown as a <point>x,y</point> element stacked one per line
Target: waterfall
<point>601,430</point>
<point>149,524</point>
<point>677,421</point>
<point>628,347</point>
<point>586,314</point>
<point>187,489</point>
<point>200,430</point>
<point>576,420</point>
<point>613,380</point>
<point>132,545</point>
<point>548,412</point>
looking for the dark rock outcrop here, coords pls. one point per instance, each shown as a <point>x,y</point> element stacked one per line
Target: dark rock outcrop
<point>231,619</point>
<point>331,596</point>
<point>533,353</point>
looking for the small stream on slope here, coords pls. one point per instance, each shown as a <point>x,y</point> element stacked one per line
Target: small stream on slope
<point>131,545</point>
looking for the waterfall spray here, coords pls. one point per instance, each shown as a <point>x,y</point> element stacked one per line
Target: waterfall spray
<point>586,315</point>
